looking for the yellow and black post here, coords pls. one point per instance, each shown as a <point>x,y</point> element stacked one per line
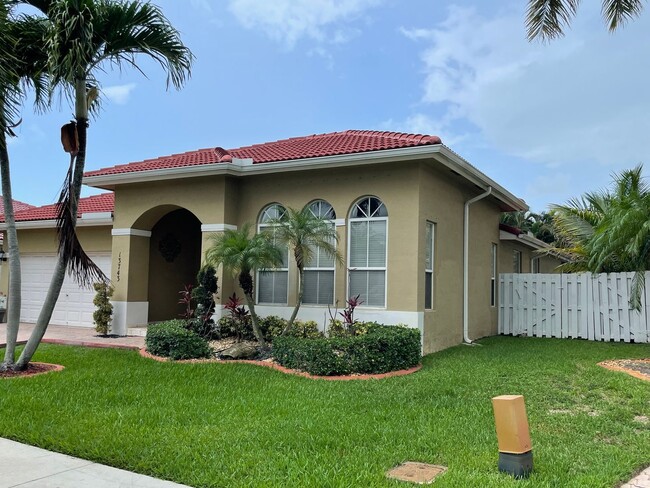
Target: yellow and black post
<point>515,449</point>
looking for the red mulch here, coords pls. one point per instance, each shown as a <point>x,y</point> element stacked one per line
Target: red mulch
<point>639,368</point>
<point>273,365</point>
<point>33,369</point>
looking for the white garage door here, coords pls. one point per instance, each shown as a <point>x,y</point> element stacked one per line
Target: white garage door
<point>75,304</point>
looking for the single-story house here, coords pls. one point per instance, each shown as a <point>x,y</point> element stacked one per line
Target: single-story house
<point>418,229</point>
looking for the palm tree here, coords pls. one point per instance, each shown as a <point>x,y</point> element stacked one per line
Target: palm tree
<point>623,234</point>
<point>607,231</point>
<point>85,37</point>
<point>22,65</point>
<point>306,234</point>
<point>243,254</point>
<point>547,19</point>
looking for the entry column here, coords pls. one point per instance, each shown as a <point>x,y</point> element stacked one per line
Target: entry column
<point>130,277</point>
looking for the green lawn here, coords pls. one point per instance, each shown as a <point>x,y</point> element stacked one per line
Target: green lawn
<point>242,425</point>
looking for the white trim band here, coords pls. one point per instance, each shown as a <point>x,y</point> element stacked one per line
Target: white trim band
<point>131,232</point>
<point>217,227</point>
<point>339,222</point>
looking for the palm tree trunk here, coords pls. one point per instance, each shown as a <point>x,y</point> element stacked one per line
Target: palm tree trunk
<point>256,326</point>
<point>301,290</point>
<point>81,115</point>
<point>14,299</point>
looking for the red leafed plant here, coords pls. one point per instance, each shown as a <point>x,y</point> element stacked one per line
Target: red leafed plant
<point>186,300</point>
<point>238,313</point>
<point>348,313</point>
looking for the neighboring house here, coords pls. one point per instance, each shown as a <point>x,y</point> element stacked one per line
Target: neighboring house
<point>38,245</point>
<point>518,253</point>
<point>397,200</point>
<point>18,206</point>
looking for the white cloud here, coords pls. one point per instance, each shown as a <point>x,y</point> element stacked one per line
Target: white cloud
<point>576,100</point>
<point>119,94</point>
<point>288,21</point>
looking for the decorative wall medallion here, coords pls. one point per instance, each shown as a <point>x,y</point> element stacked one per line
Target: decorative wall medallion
<point>169,247</point>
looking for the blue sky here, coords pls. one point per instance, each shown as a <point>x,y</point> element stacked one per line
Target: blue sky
<point>547,121</point>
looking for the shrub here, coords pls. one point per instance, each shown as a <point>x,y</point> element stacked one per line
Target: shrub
<point>228,327</point>
<point>307,330</point>
<point>380,350</point>
<point>272,326</point>
<point>102,316</point>
<point>172,340</point>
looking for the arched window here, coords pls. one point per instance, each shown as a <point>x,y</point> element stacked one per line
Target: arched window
<point>319,271</point>
<point>367,251</point>
<point>272,284</point>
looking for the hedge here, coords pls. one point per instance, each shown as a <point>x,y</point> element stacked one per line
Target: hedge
<point>382,349</point>
<point>173,340</point>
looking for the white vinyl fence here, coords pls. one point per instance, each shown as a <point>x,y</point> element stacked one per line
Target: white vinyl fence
<point>580,306</point>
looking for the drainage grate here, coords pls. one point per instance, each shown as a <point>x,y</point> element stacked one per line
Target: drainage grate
<point>419,473</point>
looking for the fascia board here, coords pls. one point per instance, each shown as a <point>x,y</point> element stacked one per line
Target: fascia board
<point>49,224</point>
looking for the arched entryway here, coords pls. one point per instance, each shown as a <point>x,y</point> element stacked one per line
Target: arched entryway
<point>174,261</point>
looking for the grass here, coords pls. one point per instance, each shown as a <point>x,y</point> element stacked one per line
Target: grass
<point>215,425</point>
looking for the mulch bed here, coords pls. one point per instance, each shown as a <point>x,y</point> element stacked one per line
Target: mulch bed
<point>33,369</point>
<point>639,368</point>
<point>269,363</point>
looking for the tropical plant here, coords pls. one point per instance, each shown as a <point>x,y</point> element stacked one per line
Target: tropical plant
<point>186,300</point>
<point>607,231</point>
<point>547,19</point>
<point>243,253</point>
<point>22,65</point>
<point>104,313</point>
<point>85,37</point>
<point>239,316</point>
<point>623,234</point>
<point>306,234</point>
<point>540,225</point>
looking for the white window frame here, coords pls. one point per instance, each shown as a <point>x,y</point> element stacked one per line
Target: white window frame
<point>535,263</point>
<point>332,221</point>
<point>493,272</point>
<point>430,270</point>
<point>260,227</point>
<point>369,268</point>
<point>519,258</point>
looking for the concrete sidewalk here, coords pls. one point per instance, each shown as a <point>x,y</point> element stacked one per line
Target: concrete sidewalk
<point>30,467</point>
<point>74,336</point>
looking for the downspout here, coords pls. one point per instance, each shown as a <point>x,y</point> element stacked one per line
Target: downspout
<point>466,338</point>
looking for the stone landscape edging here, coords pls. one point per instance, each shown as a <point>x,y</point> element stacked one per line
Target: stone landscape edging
<point>402,372</point>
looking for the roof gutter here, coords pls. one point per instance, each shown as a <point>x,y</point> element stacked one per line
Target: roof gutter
<point>469,202</point>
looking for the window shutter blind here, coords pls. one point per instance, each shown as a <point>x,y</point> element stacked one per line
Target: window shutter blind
<point>377,244</point>
<point>359,243</point>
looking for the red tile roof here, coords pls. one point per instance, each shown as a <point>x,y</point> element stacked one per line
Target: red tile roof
<point>18,206</point>
<point>98,203</point>
<point>318,145</point>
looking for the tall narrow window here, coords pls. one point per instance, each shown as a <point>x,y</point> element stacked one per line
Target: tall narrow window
<point>534,265</point>
<point>319,271</point>
<point>516,261</point>
<point>493,276</point>
<point>428,265</point>
<point>368,233</point>
<point>272,284</point>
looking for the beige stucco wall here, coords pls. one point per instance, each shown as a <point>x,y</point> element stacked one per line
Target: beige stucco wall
<point>413,192</point>
<point>547,264</point>
<point>442,199</point>
<point>44,241</point>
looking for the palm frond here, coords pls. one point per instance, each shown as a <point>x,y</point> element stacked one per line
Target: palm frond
<point>132,28</point>
<point>547,19</point>
<point>617,13</point>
